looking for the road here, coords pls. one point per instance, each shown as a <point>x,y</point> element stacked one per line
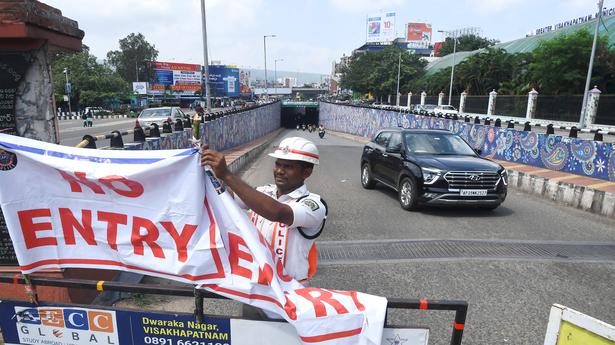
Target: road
<point>509,298</point>
<point>72,131</point>
<point>510,264</point>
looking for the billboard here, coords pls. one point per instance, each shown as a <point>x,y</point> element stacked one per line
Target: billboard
<point>418,35</point>
<point>139,87</point>
<point>381,27</point>
<point>224,81</point>
<point>244,83</point>
<point>25,323</point>
<point>177,78</point>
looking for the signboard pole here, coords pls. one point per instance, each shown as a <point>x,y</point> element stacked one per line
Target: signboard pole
<point>591,66</point>
<point>205,57</point>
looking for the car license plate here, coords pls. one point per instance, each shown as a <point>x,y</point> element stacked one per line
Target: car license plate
<point>473,192</point>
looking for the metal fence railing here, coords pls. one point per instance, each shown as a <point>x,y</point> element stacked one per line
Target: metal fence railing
<point>513,106</point>
<point>559,107</point>
<point>477,104</point>
<point>606,110</point>
<point>459,307</point>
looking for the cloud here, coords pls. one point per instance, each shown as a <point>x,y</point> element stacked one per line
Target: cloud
<point>492,7</point>
<point>365,6</point>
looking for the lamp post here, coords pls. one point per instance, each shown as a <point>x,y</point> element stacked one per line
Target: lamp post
<point>205,57</point>
<point>67,88</point>
<point>398,73</point>
<point>450,90</point>
<point>275,74</point>
<point>590,68</point>
<point>265,52</point>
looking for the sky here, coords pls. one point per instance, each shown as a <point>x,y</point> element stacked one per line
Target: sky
<point>311,34</point>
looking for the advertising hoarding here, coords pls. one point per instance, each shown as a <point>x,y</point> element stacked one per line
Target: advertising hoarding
<point>418,35</point>
<point>178,78</point>
<point>224,81</point>
<point>244,83</point>
<point>25,323</point>
<point>381,27</point>
<point>139,87</point>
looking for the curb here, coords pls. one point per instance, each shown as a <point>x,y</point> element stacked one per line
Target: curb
<point>242,160</point>
<point>567,194</point>
<point>560,192</point>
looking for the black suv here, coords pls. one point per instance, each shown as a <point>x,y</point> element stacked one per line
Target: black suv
<point>434,167</point>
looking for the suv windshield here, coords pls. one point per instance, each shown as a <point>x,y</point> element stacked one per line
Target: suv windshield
<point>437,144</point>
<point>156,112</point>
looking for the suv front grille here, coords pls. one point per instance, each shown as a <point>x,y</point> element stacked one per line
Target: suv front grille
<point>472,179</point>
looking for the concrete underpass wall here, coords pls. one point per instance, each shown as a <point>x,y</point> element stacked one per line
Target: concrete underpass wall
<point>241,127</point>
<point>583,157</point>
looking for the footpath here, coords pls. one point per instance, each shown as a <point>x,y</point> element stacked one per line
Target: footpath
<point>582,192</point>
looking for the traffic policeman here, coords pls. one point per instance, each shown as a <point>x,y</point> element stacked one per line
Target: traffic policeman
<point>286,213</point>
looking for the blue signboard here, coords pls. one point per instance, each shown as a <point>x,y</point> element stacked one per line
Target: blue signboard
<point>163,77</point>
<point>223,81</point>
<point>25,323</point>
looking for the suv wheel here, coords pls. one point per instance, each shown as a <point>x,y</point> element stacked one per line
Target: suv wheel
<point>366,177</point>
<point>408,194</point>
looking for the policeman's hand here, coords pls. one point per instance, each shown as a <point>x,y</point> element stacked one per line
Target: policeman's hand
<point>216,161</point>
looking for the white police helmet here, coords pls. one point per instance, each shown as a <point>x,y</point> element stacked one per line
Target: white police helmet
<point>297,149</point>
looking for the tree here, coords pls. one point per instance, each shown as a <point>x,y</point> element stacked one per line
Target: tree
<point>560,64</point>
<point>465,43</point>
<point>376,72</point>
<point>93,84</point>
<point>134,55</point>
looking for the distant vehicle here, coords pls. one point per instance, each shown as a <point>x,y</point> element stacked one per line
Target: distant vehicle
<point>432,167</point>
<point>94,111</point>
<point>446,110</point>
<point>160,115</point>
<point>425,109</point>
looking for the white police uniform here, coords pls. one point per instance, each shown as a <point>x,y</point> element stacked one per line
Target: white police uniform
<point>293,244</point>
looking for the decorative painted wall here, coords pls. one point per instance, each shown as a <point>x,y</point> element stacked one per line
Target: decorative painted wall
<point>239,128</point>
<point>583,157</point>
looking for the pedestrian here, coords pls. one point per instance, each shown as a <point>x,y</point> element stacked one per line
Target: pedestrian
<point>89,119</point>
<point>84,117</point>
<point>286,213</point>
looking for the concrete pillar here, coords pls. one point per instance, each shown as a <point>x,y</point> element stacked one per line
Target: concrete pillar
<point>492,97</point>
<point>440,98</point>
<point>462,102</point>
<point>389,100</point>
<point>592,107</point>
<point>409,99</point>
<point>397,100</point>
<point>423,96</point>
<point>532,98</point>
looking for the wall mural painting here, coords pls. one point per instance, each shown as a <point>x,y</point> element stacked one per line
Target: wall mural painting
<point>583,157</point>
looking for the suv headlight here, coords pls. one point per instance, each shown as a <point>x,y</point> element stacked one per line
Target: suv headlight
<point>430,176</point>
<point>504,174</point>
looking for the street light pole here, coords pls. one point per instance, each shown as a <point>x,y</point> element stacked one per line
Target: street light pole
<point>591,66</point>
<point>275,74</point>
<point>398,73</point>
<point>450,89</point>
<point>70,111</point>
<point>137,70</point>
<point>205,57</point>
<point>265,52</point>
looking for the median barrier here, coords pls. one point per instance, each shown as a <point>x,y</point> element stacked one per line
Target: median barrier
<point>578,156</point>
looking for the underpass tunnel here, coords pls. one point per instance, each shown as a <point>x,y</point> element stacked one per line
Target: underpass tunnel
<point>293,116</point>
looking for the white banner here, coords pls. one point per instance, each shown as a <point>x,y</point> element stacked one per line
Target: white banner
<point>381,27</point>
<point>158,213</point>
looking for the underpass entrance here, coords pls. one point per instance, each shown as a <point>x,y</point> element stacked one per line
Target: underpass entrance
<point>299,113</point>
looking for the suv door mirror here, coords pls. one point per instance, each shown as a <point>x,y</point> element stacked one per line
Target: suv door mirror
<point>394,149</point>
<point>478,151</point>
